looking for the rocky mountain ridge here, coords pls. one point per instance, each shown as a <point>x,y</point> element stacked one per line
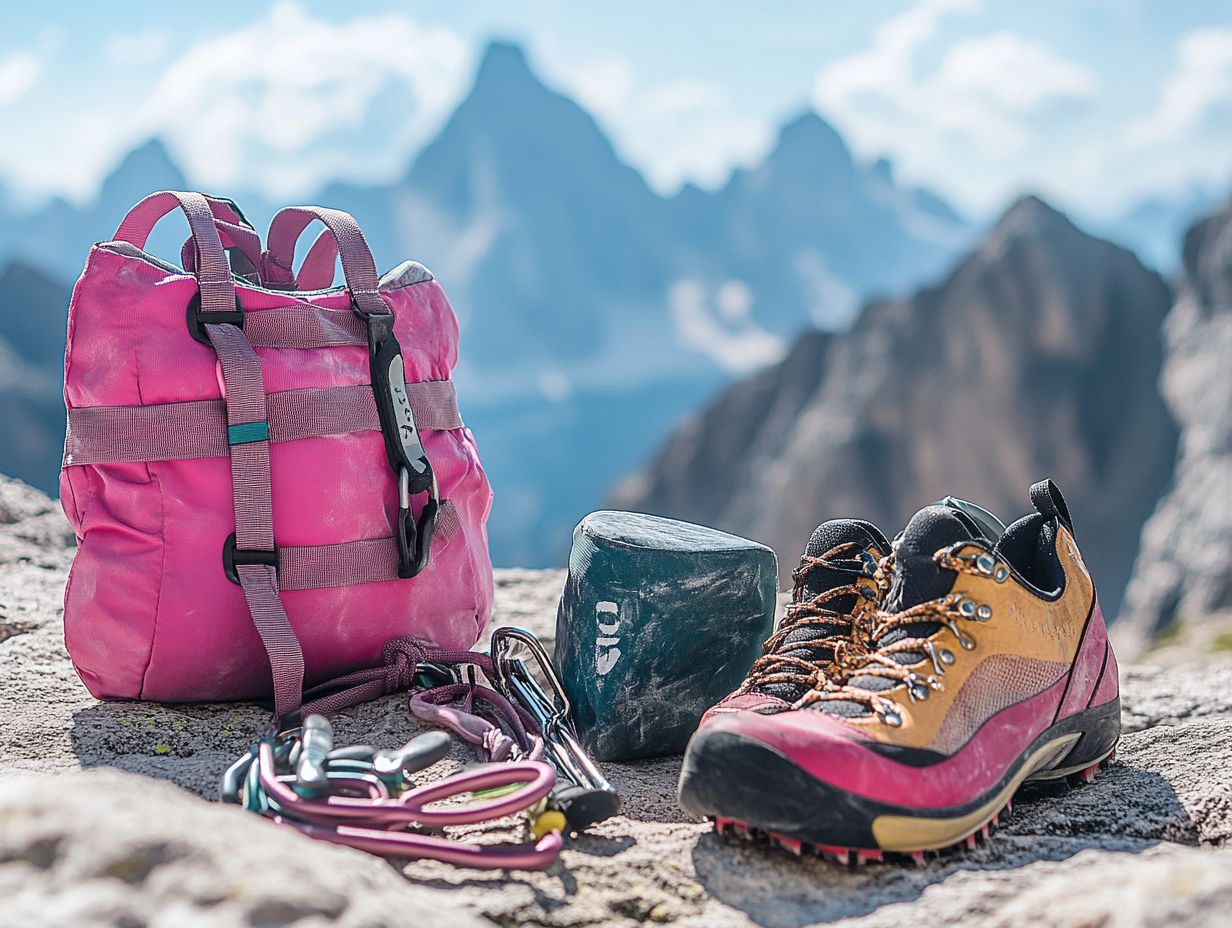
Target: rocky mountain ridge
<point>1183,572</point>
<point>1039,355</point>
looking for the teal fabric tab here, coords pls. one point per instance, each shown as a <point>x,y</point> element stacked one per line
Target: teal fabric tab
<point>247,432</point>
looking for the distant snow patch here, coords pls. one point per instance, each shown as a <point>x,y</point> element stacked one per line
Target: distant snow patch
<point>833,301</point>
<point>720,327</point>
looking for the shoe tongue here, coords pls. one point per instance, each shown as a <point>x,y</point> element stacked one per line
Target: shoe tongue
<point>833,534</point>
<point>917,579</point>
<point>803,642</point>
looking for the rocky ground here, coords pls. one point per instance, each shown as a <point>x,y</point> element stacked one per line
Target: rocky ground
<point>102,818</point>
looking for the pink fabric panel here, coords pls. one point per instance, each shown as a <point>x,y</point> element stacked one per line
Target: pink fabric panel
<point>148,610</point>
<point>111,599</point>
<point>1087,666</point>
<point>831,750</point>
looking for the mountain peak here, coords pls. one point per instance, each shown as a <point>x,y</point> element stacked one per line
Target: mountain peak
<point>145,169</point>
<point>1031,219</point>
<point>513,138</point>
<point>1031,214</point>
<point>810,141</point>
<point>503,63</point>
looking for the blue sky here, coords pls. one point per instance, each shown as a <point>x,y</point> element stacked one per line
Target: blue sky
<point>1097,104</point>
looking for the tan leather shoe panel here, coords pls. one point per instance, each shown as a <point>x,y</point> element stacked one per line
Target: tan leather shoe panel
<point>1021,626</point>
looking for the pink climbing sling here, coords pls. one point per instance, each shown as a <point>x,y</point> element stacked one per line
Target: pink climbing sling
<point>268,476</point>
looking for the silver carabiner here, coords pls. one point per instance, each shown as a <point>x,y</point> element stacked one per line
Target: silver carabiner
<point>511,671</point>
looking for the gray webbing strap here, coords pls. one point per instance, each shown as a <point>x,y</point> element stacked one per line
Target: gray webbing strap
<point>255,558</point>
<point>198,429</point>
<point>372,560</point>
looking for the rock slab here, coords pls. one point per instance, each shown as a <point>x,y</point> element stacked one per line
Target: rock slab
<point>103,818</point>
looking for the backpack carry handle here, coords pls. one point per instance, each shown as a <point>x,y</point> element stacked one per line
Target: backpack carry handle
<point>236,233</point>
<point>316,271</point>
<point>211,268</point>
<point>357,265</point>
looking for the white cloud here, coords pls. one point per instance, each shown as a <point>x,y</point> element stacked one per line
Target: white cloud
<point>604,86</point>
<point>685,97</point>
<point>1201,82</point>
<point>18,73</point>
<point>1011,73</point>
<point>681,129</point>
<point>678,130</point>
<point>135,48</point>
<point>980,96</point>
<point>290,101</point>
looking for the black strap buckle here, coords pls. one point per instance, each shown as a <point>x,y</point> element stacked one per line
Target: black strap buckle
<point>233,557</point>
<point>198,320</point>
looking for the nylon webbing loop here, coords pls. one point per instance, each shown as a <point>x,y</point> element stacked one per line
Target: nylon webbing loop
<point>357,265</point>
<point>212,269</point>
<point>316,272</point>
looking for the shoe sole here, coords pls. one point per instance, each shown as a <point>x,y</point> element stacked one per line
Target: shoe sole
<point>799,812</point>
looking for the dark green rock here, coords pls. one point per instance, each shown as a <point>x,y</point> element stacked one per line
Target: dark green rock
<point>659,620</point>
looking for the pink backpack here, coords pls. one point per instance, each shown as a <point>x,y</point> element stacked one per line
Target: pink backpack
<point>265,473</point>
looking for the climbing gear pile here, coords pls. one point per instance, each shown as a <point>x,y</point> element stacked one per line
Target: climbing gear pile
<point>365,798</point>
<point>272,488</point>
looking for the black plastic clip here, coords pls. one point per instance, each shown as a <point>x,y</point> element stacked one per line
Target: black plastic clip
<point>233,557</point>
<point>198,320</point>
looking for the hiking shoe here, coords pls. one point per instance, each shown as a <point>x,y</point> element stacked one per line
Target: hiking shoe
<point>989,665</point>
<point>836,585</point>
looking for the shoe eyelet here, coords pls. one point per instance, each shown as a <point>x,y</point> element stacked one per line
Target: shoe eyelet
<point>890,717</point>
<point>1001,574</point>
<point>984,612</point>
<point>985,564</point>
<point>967,608</point>
<point>939,656</point>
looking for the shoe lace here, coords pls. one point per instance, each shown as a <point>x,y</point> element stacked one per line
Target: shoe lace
<point>945,612</point>
<point>844,627</point>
